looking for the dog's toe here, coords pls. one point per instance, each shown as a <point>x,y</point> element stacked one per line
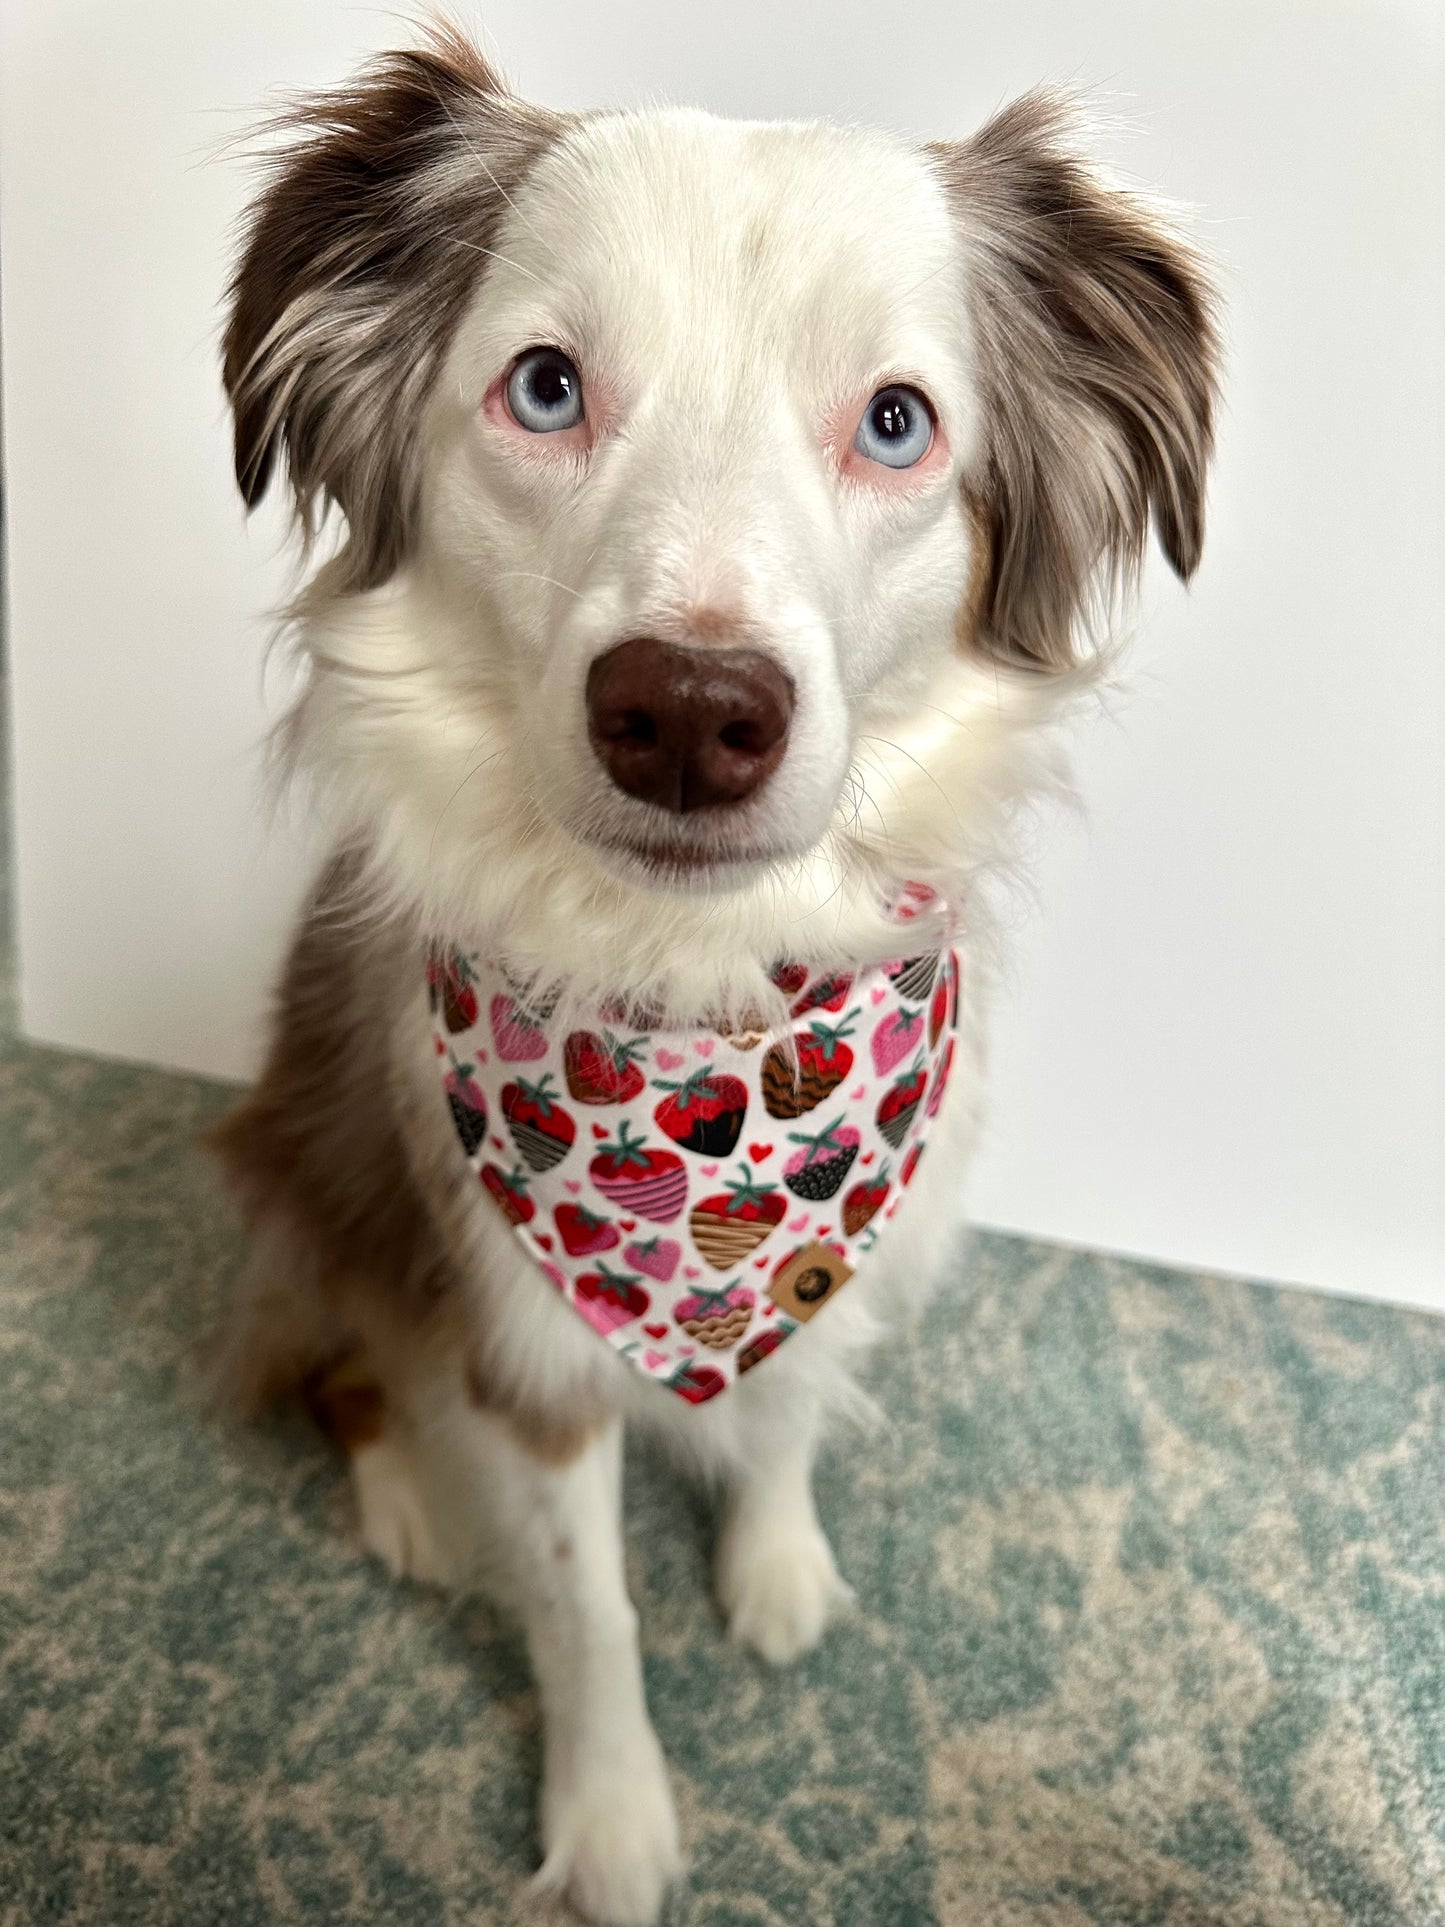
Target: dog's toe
<point>779,1590</point>
<point>610,1832</point>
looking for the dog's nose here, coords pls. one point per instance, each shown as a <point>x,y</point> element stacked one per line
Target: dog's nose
<point>687,727</point>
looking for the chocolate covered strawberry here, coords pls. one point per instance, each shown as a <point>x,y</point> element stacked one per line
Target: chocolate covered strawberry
<point>899,1104</point>
<point>541,1130</point>
<point>864,1201</point>
<point>582,1232</point>
<point>704,1112</point>
<point>516,1031</point>
<point>913,977</point>
<point>607,1299</point>
<point>940,1080</point>
<point>653,1184</point>
<point>509,1188</point>
<point>731,1223</point>
<point>797,1079</point>
<point>655,1257</point>
<point>717,1318</point>
<point>697,1383</point>
<point>757,1349</point>
<point>817,1171</point>
<point>897,1036</point>
<point>455,980</point>
<point>602,1068</point>
<point>468,1105</point>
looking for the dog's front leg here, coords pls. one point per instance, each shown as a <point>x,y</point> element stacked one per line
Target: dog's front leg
<point>609,1832</point>
<point>776,1577</point>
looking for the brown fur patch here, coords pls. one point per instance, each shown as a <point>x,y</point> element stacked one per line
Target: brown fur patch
<point>552,1441</point>
<point>1094,324</point>
<point>347,1403</point>
<point>384,200</point>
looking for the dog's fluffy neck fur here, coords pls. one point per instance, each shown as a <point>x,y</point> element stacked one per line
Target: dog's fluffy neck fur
<point>956,773</point>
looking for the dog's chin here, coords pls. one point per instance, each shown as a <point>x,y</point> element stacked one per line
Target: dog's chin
<point>683,865</point>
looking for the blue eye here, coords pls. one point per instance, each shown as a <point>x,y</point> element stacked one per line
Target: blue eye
<point>544,391</point>
<point>896,429</point>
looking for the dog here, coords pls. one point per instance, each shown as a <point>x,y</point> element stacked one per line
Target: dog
<point>722,512</point>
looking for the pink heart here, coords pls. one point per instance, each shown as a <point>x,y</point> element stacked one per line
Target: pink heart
<point>708,1170</point>
<point>574,1185</point>
<point>669,1060</point>
<point>799,1223</point>
<point>853,1096</point>
<point>879,995</point>
<point>483,1058</point>
<point>692,1271</point>
<point>687,1351</point>
<point>702,1045</point>
<point>654,1361</point>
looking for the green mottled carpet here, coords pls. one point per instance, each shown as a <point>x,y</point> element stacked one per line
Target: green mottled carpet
<point>1152,1623</point>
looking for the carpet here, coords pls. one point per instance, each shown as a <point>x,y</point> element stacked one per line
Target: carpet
<point>1151,1572</point>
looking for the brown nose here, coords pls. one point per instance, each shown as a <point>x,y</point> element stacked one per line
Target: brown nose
<point>684,727</point>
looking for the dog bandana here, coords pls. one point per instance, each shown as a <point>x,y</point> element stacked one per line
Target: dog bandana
<point>697,1195</point>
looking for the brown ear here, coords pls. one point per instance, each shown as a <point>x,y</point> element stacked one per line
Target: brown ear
<point>1094,329</point>
<point>357,262</point>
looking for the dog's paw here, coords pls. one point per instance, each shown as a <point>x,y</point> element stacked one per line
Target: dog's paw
<point>778,1585</point>
<point>394,1524</point>
<point>609,1834</point>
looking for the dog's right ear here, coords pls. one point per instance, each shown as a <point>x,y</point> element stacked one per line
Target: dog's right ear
<point>358,260</point>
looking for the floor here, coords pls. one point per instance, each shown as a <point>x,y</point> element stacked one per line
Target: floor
<point>1151,1571</point>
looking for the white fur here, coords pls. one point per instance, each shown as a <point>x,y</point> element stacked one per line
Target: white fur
<point>729,292</point>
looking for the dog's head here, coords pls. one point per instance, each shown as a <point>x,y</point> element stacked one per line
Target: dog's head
<point>690,468</point>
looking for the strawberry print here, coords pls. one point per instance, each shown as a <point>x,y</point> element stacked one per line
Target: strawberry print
<point>695,1192</point>
<point>716,1317</point>
<point>864,1202</point>
<point>541,1130</point>
<point>468,1105</point>
<point>757,1349</point>
<point>913,977</point>
<point>728,1226</point>
<point>516,1032</point>
<point>456,979</point>
<point>818,1170</point>
<point>938,1012</point>
<point>900,1102</point>
<point>940,1080</point>
<point>509,1188</point>
<point>602,1067</point>
<point>582,1232</point>
<point>704,1113</point>
<point>896,1037</point>
<point>651,1183</point>
<point>608,1299</point>
<point>793,1084</point>
<point>653,1257</point>
<point>697,1383</point>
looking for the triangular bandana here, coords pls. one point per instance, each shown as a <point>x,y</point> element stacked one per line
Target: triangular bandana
<point>697,1196</point>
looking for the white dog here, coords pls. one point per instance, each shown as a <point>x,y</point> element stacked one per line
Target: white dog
<point>721,504</point>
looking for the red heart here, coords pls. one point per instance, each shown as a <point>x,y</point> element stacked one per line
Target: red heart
<point>869,1159</point>
<point>544,1239</point>
<point>823,1230</point>
<point>441,1047</point>
<point>499,1144</point>
<point>758,1152</point>
<point>769,1309</point>
<point>628,1224</point>
<point>761,1263</point>
<point>599,1130</point>
<point>655,1331</point>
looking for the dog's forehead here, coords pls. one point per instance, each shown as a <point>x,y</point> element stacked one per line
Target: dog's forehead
<point>806,239</point>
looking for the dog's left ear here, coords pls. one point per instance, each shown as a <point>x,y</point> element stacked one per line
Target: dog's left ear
<point>1093,327</point>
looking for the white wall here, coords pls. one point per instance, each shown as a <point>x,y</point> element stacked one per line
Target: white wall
<point>1226,1041</point>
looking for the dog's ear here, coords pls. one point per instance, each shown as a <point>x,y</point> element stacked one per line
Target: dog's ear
<point>1094,331</point>
<point>357,261</point>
